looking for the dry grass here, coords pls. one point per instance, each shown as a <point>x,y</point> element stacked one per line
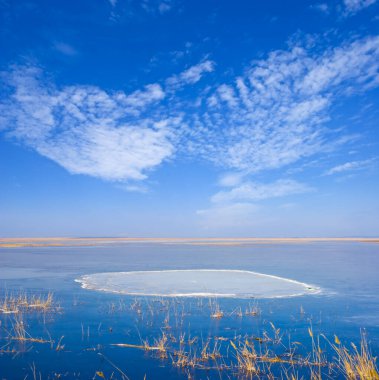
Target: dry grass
<point>252,310</point>
<point>244,361</point>
<point>216,312</point>
<point>246,358</point>
<point>356,363</point>
<point>266,356</point>
<point>22,302</point>
<point>39,302</point>
<point>19,332</point>
<point>260,357</point>
<point>159,346</point>
<point>238,357</point>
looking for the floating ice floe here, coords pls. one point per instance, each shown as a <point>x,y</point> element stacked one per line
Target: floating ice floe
<point>197,283</point>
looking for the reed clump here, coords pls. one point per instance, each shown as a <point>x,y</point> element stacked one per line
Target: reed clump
<point>22,302</point>
<point>356,363</point>
<point>246,358</point>
<point>160,345</point>
<point>216,312</point>
<point>253,311</point>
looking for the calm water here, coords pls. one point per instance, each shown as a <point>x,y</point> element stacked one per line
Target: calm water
<point>92,321</point>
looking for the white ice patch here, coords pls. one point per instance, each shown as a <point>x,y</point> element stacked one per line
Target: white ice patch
<point>197,283</point>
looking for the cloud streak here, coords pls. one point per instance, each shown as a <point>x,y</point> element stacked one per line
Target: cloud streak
<point>190,76</point>
<point>350,166</point>
<point>250,191</point>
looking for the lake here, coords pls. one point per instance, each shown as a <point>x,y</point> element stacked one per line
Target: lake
<point>89,334</point>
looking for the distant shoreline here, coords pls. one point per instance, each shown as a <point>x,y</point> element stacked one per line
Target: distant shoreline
<point>78,242</point>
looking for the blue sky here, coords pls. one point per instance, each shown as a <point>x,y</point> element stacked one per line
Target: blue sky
<point>189,118</point>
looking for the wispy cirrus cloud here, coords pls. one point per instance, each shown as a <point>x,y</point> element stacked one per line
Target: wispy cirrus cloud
<point>351,166</point>
<point>353,6</point>
<point>344,7</point>
<point>275,114</point>
<point>190,76</point>
<point>252,191</point>
<point>239,205</point>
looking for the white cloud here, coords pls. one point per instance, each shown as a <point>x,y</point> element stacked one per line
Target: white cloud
<point>350,166</point>
<point>356,63</point>
<point>139,99</point>
<point>230,179</point>
<point>275,114</point>
<point>115,136</point>
<point>272,116</point>
<point>191,75</point>
<point>87,130</point>
<point>237,207</point>
<point>353,6</point>
<point>227,94</point>
<point>135,188</point>
<point>346,7</point>
<point>122,153</point>
<point>250,191</point>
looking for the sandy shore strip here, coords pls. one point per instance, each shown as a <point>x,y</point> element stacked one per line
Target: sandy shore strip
<point>96,241</point>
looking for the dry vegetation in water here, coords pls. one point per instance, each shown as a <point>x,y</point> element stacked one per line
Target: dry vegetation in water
<point>22,302</point>
<point>250,357</point>
<point>15,309</point>
<point>242,356</point>
<point>356,362</point>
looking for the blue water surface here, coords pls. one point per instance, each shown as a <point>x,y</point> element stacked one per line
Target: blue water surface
<point>89,323</point>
